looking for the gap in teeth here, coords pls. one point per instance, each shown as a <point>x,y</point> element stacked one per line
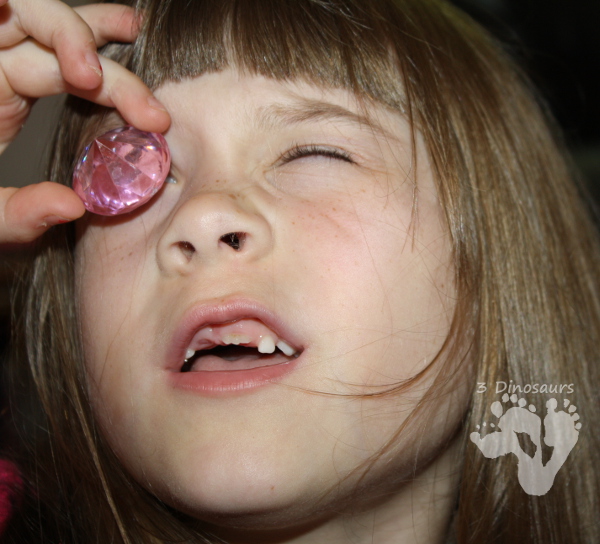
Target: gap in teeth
<point>236,339</point>
<point>266,345</point>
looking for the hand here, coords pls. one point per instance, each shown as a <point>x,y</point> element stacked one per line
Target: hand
<point>48,48</point>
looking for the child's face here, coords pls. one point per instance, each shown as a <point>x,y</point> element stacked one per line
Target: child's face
<point>348,263</point>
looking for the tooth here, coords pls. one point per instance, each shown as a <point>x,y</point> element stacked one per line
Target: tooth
<point>236,339</point>
<point>286,348</point>
<point>189,353</point>
<point>266,345</point>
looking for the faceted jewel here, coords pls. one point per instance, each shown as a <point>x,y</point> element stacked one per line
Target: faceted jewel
<point>121,170</point>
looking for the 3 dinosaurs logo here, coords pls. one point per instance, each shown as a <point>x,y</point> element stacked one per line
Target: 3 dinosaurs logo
<point>561,431</point>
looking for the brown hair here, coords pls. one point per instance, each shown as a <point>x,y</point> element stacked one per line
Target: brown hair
<point>525,252</point>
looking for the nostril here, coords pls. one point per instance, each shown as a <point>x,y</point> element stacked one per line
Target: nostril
<point>234,240</point>
<point>187,249</point>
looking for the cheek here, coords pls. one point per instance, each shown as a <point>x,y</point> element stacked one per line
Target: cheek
<point>113,257</point>
<point>364,261</point>
<point>106,270</point>
<point>110,270</point>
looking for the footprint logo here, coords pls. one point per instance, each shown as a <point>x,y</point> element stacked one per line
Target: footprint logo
<point>561,433</point>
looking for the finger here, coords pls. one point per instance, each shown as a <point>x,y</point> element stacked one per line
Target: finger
<point>33,71</point>
<point>74,34</point>
<point>60,28</point>
<point>133,99</point>
<point>110,22</point>
<point>26,213</point>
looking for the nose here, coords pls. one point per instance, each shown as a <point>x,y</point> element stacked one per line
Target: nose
<point>212,228</point>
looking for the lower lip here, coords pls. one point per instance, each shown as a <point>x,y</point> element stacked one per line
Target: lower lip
<point>227,382</point>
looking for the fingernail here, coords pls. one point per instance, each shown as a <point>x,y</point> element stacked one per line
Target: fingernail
<point>52,220</point>
<point>155,104</point>
<point>139,20</point>
<point>93,62</point>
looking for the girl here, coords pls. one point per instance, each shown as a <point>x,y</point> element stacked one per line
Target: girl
<point>368,185</point>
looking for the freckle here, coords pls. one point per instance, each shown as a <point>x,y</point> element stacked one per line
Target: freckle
<point>272,488</point>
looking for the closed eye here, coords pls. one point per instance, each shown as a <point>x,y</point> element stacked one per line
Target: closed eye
<point>302,151</point>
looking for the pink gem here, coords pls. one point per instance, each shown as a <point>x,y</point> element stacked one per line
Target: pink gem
<point>121,170</point>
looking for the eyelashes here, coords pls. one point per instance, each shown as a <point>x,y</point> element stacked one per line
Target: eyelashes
<point>302,151</point>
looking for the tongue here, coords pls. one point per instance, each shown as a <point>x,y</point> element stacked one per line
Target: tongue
<point>212,362</point>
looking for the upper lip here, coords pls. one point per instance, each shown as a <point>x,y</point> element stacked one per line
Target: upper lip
<point>214,313</point>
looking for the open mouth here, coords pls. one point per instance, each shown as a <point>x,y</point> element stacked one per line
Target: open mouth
<point>232,357</point>
<point>240,345</point>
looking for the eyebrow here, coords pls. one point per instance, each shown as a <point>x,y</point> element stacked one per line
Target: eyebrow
<point>307,110</point>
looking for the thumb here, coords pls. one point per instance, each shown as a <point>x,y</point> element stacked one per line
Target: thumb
<point>26,213</point>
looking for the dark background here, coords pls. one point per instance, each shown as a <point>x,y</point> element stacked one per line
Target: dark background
<point>557,41</point>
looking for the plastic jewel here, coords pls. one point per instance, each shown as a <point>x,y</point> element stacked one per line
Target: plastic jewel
<point>121,170</point>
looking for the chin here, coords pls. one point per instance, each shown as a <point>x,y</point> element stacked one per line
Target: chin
<point>243,493</point>
<point>252,510</point>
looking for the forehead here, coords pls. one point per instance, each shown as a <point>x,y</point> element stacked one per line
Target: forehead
<point>266,104</point>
